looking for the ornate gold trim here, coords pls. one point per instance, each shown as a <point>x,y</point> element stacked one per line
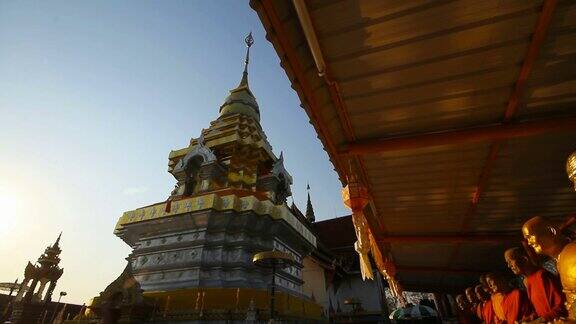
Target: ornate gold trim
<point>215,202</point>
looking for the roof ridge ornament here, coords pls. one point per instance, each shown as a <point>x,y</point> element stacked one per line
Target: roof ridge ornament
<point>200,140</point>
<point>200,150</point>
<point>285,178</point>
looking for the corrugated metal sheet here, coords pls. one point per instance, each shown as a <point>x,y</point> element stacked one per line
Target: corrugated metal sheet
<point>414,67</point>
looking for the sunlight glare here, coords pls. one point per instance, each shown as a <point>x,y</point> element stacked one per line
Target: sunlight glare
<point>9,206</point>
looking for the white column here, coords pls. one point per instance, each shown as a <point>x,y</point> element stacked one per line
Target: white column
<point>43,282</point>
<point>22,290</point>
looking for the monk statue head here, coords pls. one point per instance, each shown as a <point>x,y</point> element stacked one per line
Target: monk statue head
<point>462,303</point>
<point>481,294</point>
<point>484,284</point>
<point>544,236</point>
<point>471,296</point>
<point>518,261</point>
<point>498,282</point>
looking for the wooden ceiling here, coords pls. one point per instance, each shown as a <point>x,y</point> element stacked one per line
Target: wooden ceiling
<point>458,115</point>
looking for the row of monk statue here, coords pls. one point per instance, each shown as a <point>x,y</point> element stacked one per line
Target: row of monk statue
<point>547,292</point>
<point>545,295</point>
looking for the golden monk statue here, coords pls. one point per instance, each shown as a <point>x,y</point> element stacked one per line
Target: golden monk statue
<point>546,237</point>
<point>571,168</point>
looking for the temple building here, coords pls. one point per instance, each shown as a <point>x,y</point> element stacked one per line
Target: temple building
<point>35,292</point>
<point>192,254</point>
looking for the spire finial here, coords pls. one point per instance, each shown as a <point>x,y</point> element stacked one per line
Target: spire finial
<point>309,209</point>
<point>57,243</point>
<point>249,40</point>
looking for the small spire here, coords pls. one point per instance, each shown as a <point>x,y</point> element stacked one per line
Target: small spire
<point>309,209</point>
<point>249,40</point>
<point>57,243</point>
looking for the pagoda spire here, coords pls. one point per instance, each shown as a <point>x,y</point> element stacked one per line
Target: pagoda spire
<point>241,100</point>
<point>309,209</point>
<point>57,243</point>
<point>249,40</point>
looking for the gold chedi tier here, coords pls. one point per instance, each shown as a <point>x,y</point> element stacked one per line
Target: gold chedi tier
<point>223,201</point>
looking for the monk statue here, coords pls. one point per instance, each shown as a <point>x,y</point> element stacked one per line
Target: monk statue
<point>571,168</point>
<point>462,302</point>
<point>510,305</point>
<point>484,284</point>
<point>464,314</point>
<point>547,238</point>
<point>485,310</point>
<point>543,288</point>
<point>472,300</point>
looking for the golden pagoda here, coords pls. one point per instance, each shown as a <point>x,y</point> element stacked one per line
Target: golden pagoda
<point>192,254</point>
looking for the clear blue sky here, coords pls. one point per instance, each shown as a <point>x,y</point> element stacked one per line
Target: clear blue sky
<point>95,94</point>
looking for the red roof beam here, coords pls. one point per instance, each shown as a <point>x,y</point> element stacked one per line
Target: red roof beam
<point>442,270</point>
<point>451,238</point>
<point>538,37</point>
<point>461,136</point>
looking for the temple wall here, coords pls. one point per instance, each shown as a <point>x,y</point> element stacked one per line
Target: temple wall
<point>315,282</point>
<point>367,292</point>
<point>215,252</point>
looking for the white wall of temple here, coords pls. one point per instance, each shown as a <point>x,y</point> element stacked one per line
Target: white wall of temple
<point>315,282</point>
<point>367,292</point>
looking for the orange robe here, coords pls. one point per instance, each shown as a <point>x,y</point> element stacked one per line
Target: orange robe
<point>479,308</point>
<point>467,317</point>
<point>517,306</point>
<point>497,301</point>
<point>545,292</point>
<point>488,315</point>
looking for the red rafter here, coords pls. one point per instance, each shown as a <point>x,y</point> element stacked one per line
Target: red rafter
<point>442,270</point>
<point>531,54</point>
<point>450,238</point>
<point>460,136</point>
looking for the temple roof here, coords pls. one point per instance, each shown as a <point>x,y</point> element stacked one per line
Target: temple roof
<point>458,117</point>
<point>337,234</point>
